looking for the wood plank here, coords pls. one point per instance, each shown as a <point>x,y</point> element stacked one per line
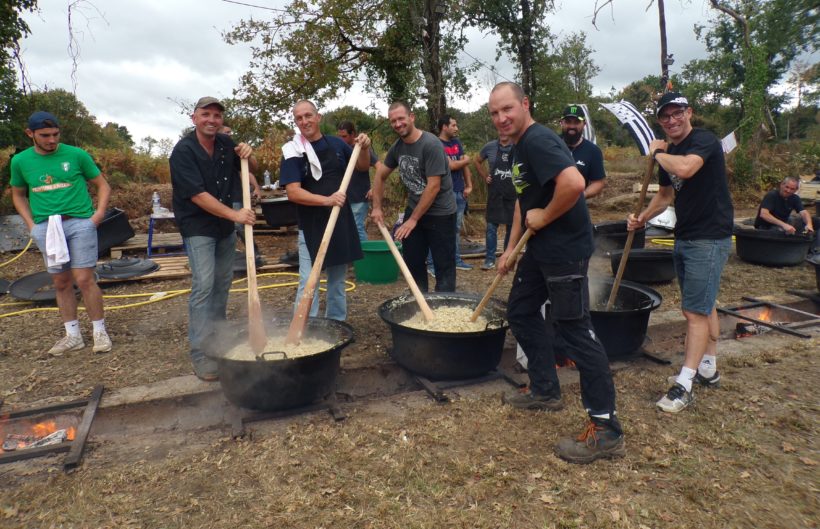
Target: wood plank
<point>139,242</point>
<point>176,267</point>
<point>651,188</point>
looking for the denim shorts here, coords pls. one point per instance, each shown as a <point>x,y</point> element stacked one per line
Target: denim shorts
<point>698,265</point>
<point>81,236</point>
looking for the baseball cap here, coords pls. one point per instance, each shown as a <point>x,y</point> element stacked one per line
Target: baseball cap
<point>208,101</point>
<point>42,120</point>
<point>671,98</point>
<point>574,111</point>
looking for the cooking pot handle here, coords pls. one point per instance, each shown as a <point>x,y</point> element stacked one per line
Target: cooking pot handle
<point>261,356</point>
<point>498,321</point>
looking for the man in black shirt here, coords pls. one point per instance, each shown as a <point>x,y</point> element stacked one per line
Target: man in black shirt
<point>204,170</point>
<point>588,157</point>
<point>693,173</point>
<point>778,204</point>
<point>550,202</point>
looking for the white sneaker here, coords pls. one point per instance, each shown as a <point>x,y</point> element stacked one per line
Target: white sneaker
<point>676,399</point>
<point>66,344</point>
<point>102,343</point>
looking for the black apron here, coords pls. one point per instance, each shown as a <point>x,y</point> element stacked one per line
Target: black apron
<point>344,244</point>
<point>501,193</point>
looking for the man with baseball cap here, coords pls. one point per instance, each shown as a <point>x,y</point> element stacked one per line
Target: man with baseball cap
<point>49,191</point>
<point>588,157</point>
<point>204,174</point>
<point>693,174</point>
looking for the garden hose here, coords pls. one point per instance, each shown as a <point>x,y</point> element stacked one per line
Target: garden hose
<point>19,255</point>
<point>168,294</point>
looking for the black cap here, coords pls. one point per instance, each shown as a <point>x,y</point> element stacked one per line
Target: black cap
<point>42,120</point>
<point>208,101</point>
<point>671,98</point>
<point>574,111</point>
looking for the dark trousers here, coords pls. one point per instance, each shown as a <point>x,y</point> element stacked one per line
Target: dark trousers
<point>436,234</point>
<point>567,320</point>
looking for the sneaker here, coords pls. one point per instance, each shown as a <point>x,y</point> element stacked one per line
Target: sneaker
<point>595,442</point>
<point>67,344</point>
<point>431,272</point>
<point>676,399</point>
<point>529,401</point>
<point>205,369</point>
<point>488,266</point>
<point>461,265</point>
<point>102,343</point>
<point>710,382</point>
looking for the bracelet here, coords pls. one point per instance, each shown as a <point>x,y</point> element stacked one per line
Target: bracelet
<point>656,151</point>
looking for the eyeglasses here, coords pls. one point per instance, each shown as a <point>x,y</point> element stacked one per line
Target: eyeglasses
<point>666,118</point>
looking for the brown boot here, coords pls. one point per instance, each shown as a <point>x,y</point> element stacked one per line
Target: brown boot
<point>595,442</point>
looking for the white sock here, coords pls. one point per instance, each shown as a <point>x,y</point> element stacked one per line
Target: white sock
<point>708,366</point>
<point>72,328</point>
<point>99,325</point>
<point>685,378</point>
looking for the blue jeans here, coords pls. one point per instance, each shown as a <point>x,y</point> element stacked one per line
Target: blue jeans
<point>81,239</point>
<point>336,308</point>
<point>698,265</point>
<point>491,238</point>
<point>211,262</point>
<point>461,207</point>
<point>360,215</point>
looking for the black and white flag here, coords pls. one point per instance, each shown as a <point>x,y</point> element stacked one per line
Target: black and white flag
<point>589,131</point>
<point>634,122</point>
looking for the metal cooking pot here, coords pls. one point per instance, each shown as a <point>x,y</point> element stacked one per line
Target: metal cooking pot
<point>275,382</point>
<point>612,235</point>
<point>645,265</point>
<point>771,247</point>
<point>622,330</point>
<point>445,355</point>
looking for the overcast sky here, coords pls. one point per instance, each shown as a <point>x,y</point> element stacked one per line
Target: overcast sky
<point>139,58</point>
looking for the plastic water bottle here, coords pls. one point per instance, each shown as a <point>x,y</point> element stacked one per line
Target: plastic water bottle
<point>155,205</point>
<point>267,180</point>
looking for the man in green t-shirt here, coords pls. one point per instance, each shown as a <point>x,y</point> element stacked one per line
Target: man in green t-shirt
<point>48,186</point>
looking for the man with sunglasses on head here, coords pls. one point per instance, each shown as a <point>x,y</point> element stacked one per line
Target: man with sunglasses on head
<point>692,173</point>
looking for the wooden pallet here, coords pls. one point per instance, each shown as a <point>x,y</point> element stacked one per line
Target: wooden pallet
<point>139,242</point>
<point>176,267</point>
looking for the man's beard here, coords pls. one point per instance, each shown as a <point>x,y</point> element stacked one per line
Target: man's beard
<point>571,136</point>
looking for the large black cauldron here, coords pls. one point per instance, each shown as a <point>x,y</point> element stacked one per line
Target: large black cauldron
<point>771,247</point>
<point>445,355</point>
<point>279,212</point>
<point>277,383</point>
<point>610,236</point>
<point>622,330</point>
<point>645,265</point>
<point>814,260</point>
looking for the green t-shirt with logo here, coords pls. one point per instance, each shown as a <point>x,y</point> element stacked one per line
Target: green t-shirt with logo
<point>56,181</point>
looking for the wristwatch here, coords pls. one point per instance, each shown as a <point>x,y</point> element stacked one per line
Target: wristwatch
<point>656,151</point>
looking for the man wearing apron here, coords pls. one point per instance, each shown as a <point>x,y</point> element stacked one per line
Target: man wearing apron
<point>312,172</point>
<point>500,193</point>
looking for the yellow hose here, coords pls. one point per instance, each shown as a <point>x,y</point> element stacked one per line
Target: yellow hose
<point>168,294</point>
<point>19,255</point>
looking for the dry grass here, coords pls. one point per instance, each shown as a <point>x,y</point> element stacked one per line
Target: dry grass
<point>743,456</point>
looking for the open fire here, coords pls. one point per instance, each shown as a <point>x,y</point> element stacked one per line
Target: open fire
<point>22,435</point>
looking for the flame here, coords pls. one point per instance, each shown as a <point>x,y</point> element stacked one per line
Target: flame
<point>38,431</point>
<point>766,315</point>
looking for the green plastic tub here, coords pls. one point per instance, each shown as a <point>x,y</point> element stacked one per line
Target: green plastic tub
<point>378,265</point>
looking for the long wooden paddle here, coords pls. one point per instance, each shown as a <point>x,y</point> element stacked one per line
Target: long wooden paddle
<point>297,325</point>
<point>510,262</point>
<point>650,164</point>
<point>414,288</point>
<point>256,328</point>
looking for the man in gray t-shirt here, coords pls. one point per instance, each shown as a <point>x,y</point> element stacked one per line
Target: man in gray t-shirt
<point>430,216</point>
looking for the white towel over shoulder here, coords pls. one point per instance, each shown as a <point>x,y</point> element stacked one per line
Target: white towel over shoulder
<point>299,146</point>
<point>56,246</point>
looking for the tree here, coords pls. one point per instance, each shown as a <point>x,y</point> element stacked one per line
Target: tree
<point>320,49</point>
<point>521,28</point>
<point>12,30</point>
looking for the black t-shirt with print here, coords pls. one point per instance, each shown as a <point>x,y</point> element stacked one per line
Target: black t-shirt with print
<point>702,203</point>
<point>538,157</point>
<point>779,207</point>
